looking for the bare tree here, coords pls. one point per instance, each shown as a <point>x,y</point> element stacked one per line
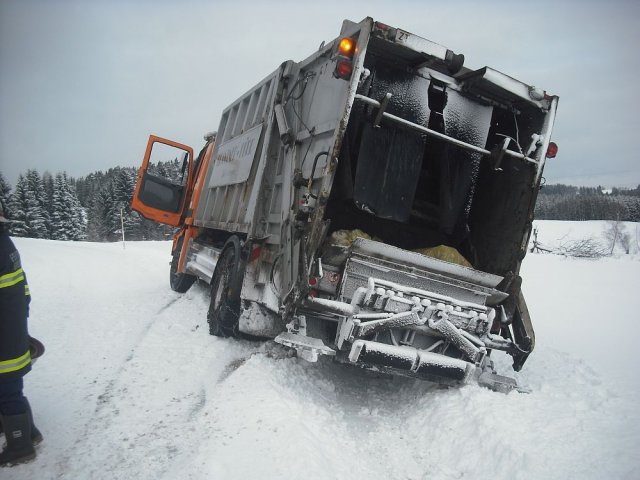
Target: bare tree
<point>579,248</point>
<point>625,241</point>
<point>616,232</point>
<point>583,248</point>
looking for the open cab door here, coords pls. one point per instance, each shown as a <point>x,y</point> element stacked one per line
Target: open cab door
<point>164,181</point>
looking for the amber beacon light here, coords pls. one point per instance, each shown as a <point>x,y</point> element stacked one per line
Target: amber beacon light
<point>347,46</point>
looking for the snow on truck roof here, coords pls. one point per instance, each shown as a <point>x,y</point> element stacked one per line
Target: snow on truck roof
<point>485,80</point>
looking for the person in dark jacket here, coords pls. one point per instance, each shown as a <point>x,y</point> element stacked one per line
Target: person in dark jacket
<point>15,357</point>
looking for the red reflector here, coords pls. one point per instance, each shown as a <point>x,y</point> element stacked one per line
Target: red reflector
<point>313,281</point>
<point>255,253</point>
<point>552,150</point>
<point>344,69</point>
<point>313,293</point>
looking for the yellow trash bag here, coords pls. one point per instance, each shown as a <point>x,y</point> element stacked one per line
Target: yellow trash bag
<point>448,254</point>
<point>345,238</point>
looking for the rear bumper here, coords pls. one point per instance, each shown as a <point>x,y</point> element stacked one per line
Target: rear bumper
<point>409,361</point>
<point>403,360</point>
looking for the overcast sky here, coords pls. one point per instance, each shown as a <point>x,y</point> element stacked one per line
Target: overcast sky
<point>83,83</point>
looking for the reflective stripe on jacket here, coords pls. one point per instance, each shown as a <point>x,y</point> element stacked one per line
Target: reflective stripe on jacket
<point>15,364</point>
<point>10,279</point>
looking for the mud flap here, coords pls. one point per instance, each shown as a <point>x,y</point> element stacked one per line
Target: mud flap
<point>523,333</point>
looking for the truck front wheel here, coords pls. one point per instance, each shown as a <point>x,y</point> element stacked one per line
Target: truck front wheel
<point>224,309</point>
<point>180,282</point>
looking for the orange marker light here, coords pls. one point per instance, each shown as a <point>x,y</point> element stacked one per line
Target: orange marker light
<point>347,46</point>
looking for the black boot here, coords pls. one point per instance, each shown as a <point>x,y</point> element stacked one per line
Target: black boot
<point>19,448</point>
<point>36,436</point>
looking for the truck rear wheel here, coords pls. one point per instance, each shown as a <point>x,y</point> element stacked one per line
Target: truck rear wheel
<point>226,283</point>
<point>180,282</point>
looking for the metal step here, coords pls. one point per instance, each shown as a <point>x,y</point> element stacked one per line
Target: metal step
<point>308,348</point>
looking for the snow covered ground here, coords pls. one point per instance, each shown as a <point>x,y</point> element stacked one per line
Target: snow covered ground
<point>133,387</point>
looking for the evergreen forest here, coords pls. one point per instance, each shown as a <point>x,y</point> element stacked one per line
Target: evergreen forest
<point>93,208</point>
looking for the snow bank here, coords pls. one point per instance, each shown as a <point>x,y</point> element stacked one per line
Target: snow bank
<point>132,386</point>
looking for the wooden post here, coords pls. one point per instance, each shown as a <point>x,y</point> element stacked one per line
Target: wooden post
<point>122,225</point>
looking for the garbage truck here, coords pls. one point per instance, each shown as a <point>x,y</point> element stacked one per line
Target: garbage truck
<point>371,203</point>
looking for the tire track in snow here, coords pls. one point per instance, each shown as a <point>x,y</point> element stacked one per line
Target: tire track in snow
<point>99,420</point>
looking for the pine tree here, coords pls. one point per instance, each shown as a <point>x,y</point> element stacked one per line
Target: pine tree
<point>27,216</point>
<point>18,208</point>
<point>88,187</point>
<point>47,181</point>
<point>5,193</point>
<point>123,186</point>
<point>37,191</point>
<point>67,222</point>
<point>101,225</point>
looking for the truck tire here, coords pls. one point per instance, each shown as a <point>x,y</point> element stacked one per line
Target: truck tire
<point>180,282</point>
<point>226,283</point>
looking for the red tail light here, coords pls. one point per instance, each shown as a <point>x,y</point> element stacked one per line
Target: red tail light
<point>552,150</point>
<point>344,69</point>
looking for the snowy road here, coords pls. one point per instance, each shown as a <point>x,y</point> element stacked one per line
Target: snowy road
<point>133,387</point>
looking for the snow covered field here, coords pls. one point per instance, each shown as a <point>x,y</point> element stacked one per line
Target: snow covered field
<point>133,387</point>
